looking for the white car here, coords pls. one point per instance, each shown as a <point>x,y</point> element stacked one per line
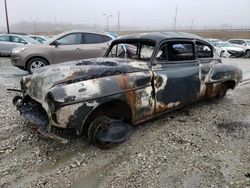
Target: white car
<point>243,43</point>
<point>10,41</point>
<point>218,49</point>
<point>226,49</point>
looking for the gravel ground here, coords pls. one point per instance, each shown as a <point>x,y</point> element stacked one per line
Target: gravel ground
<point>203,145</point>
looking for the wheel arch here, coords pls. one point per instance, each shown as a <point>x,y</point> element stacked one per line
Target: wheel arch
<point>230,84</point>
<point>115,108</point>
<point>32,57</point>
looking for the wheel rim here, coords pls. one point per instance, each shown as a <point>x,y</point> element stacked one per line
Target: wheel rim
<point>101,126</point>
<point>36,64</point>
<point>222,54</point>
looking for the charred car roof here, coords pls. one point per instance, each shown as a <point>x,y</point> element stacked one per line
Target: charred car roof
<point>157,37</point>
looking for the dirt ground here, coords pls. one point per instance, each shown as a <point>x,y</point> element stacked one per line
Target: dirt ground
<point>206,144</point>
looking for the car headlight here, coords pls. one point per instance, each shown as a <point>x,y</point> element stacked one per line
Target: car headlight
<point>18,50</point>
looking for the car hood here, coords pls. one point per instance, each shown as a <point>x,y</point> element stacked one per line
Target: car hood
<point>237,49</point>
<point>42,80</point>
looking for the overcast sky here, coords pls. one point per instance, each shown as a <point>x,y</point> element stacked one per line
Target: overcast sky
<point>139,13</point>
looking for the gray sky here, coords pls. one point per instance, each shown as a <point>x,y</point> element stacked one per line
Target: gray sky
<point>138,13</point>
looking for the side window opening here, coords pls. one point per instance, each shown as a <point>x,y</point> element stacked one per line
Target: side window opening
<point>180,51</point>
<point>162,54</point>
<point>74,38</point>
<point>91,38</point>
<point>5,38</point>
<point>133,50</point>
<point>17,39</point>
<point>203,50</point>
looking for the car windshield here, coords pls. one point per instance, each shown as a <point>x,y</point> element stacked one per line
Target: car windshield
<point>133,50</point>
<point>248,42</point>
<point>216,44</point>
<point>30,40</point>
<point>226,44</point>
<point>113,35</point>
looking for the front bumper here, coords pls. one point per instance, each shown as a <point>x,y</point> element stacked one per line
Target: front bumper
<point>33,112</point>
<point>17,61</point>
<point>235,53</point>
<point>36,115</point>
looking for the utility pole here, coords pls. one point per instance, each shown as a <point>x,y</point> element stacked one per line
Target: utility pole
<point>175,18</point>
<point>107,17</point>
<point>35,26</point>
<point>118,21</point>
<point>7,19</point>
<point>55,21</point>
<point>192,23</point>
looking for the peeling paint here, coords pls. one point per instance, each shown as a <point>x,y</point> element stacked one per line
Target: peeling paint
<point>69,92</point>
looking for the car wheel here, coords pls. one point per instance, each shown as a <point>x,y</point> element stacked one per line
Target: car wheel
<point>247,53</point>
<point>106,132</point>
<point>98,124</point>
<point>222,54</point>
<point>35,63</point>
<point>222,91</point>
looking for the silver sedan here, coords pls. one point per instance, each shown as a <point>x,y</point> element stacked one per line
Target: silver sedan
<point>10,41</point>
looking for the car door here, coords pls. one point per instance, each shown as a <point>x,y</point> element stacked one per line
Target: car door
<point>5,44</point>
<point>176,75</point>
<point>95,45</point>
<point>69,48</point>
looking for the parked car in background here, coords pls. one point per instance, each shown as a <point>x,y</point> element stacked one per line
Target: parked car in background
<point>243,43</point>
<point>103,97</point>
<point>10,41</point>
<point>68,46</point>
<point>218,49</point>
<point>213,40</point>
<point>40,39</point>
<point>228,50</point>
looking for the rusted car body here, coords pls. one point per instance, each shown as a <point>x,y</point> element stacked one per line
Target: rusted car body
<point>131,90</point>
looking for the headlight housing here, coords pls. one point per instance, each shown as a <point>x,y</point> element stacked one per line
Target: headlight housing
<point>18,50</point>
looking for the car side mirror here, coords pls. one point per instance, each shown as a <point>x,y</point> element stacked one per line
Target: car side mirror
<point>24,42</point>
<point>56,43</point>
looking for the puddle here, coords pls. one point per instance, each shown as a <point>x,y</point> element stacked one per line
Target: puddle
<point>231,127</point>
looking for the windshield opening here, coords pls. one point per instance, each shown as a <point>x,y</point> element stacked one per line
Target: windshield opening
<point>132,50</point>
<point>226,44</point>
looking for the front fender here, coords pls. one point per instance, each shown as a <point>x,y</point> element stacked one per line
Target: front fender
<point>76,101</point>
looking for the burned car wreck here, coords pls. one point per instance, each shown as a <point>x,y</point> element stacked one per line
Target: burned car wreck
<point>103,97</point>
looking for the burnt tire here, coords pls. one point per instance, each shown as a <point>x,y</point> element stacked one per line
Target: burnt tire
<point>35,63</point>
<point>222,91</point>
<point>96,125</point>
